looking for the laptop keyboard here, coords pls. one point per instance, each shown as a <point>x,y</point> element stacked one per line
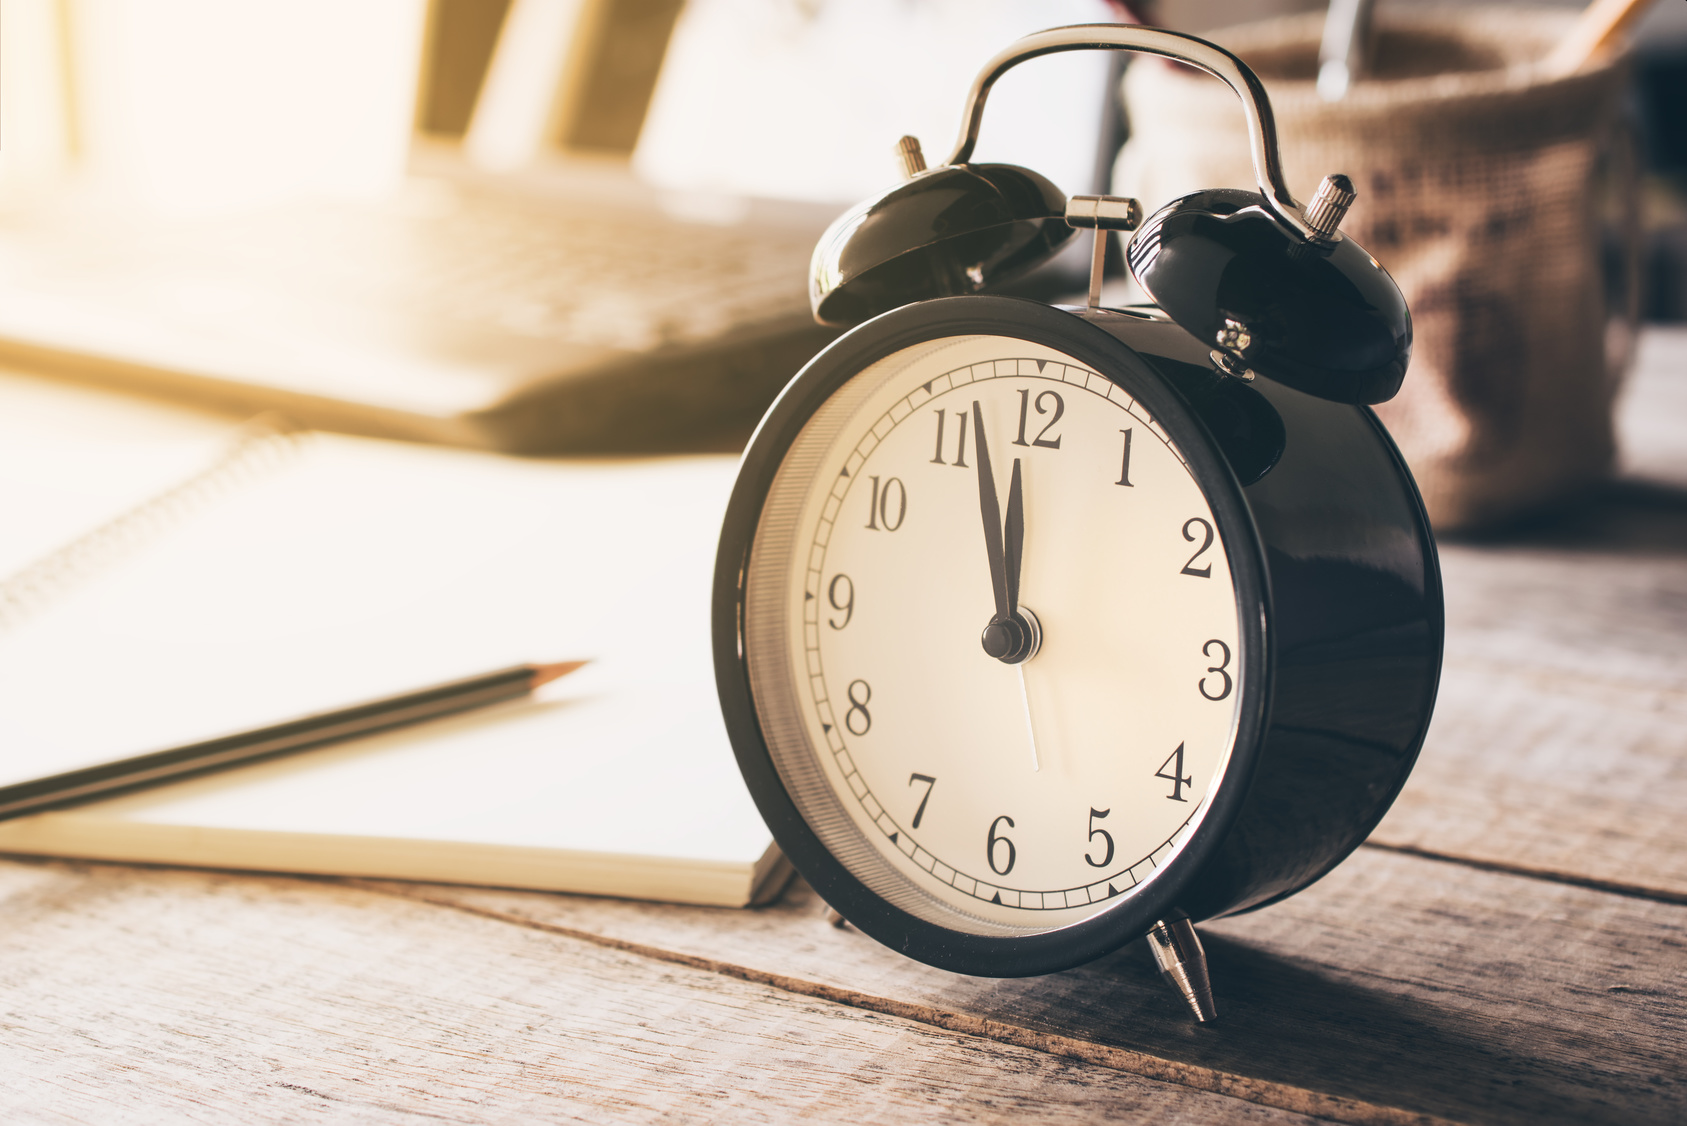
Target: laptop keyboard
<point>612,280</point>
<point>440,262</point>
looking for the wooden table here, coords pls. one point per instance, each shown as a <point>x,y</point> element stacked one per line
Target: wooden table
<point>1511,946</point>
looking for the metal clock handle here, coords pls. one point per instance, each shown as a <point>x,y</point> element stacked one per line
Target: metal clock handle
<point>1215,60</point>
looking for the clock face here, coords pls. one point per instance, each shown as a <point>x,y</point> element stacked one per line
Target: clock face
<point>993,795</point>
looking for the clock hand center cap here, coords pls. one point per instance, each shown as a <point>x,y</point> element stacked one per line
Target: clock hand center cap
<point>1015,639</point>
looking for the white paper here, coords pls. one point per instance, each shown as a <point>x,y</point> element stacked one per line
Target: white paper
<point>364,568</point>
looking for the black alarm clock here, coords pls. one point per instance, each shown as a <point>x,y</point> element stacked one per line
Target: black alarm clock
<point>1038,629</point>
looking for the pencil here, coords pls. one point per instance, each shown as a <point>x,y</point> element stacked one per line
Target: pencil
<point>282,738</point>
<point>1602,24</point>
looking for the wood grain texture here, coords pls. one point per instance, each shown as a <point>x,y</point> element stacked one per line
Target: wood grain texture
<point>1400,989</point>
<point>1396,982</point>
<point>1559,743</point>
<point>1559,749</point>
<point>137,995</point>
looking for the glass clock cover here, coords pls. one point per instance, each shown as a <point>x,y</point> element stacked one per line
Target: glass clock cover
<point>975,792</point>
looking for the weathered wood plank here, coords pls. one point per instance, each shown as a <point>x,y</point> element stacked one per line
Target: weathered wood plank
<point>134,995</point>
<point>1559,743</point>
<point>1396,981</point>
<point>1398,986</point>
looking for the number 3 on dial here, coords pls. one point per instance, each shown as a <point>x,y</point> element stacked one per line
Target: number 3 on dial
<point>1221,690</point>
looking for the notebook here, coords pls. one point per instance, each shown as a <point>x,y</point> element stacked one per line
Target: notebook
<point>511,301</point>
<point>334,569</point>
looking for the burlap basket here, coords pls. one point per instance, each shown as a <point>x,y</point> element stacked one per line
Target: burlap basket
<point>1484,189</point>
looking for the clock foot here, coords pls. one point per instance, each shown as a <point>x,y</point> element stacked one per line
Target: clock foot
<point>1183,964</point>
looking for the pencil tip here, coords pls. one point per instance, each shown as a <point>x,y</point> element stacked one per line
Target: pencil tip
<point>544,674</point>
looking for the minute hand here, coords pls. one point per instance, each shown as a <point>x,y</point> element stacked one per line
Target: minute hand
<point>992,514</point>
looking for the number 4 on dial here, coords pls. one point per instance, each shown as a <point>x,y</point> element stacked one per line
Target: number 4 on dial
<point>1177,777</point>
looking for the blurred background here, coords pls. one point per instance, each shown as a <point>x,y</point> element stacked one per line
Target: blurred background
<point>195,104</point>
<point>478,221</point>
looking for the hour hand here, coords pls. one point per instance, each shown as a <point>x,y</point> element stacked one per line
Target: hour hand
<point>1014,548</point>
<point>1012,635</point>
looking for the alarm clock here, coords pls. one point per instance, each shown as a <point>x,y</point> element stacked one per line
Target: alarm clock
<point>1039,630</point>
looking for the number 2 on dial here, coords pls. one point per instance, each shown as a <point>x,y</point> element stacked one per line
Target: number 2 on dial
<point>1189,568</point>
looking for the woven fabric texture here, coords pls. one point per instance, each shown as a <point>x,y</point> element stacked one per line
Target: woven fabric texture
<point>1487,191</point>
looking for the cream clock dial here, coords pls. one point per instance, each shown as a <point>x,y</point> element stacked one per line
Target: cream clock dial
<point>1007,631</point>
<point>1042,629</point>
<point>1036,635</point>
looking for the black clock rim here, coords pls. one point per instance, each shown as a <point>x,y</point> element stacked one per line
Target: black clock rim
<point>989,955</point>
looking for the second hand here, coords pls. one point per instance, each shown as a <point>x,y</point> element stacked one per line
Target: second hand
<point>1012,636</point>
<point>1030,728</point>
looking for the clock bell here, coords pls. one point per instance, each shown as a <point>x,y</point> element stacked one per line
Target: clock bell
<point>1272,288</point>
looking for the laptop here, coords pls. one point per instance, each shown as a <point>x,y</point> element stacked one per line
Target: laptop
<point>612,259</point>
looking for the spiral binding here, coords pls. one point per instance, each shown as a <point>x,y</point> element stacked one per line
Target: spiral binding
<point>262,445</point>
